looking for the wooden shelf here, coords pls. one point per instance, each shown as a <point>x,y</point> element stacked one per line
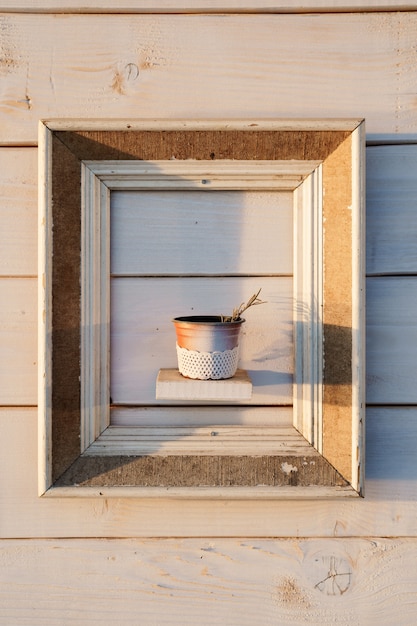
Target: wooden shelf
<point>171,385</point>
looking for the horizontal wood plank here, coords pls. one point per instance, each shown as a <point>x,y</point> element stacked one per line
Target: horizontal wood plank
<point>18,212</point>
<point>391,209</point>
<point>156,66</point>
<point>391,370</point>
<point>388,509</point>
<point>197,232</point>
<point>202,6</point>
<point>255,581</point>
<point>220,582</point>
<point>188,416</point>
<point>18,341</point>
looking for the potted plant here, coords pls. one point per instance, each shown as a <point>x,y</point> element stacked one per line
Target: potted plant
<point>208,345</point>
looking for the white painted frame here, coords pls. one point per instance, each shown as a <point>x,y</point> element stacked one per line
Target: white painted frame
<point>99,178</point>
<point>308,307</point>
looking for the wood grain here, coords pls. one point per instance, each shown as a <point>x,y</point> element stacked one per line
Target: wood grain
<point>66,307</point>
<point>354,582</point>
<point>18,341</point>
<point>155,66</point>
<point>204,140</point>
<point>339,308</point>
<point>201,471</point>
<point>18,212</point>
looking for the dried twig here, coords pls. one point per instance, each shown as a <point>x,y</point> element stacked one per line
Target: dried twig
<point>237,312</point>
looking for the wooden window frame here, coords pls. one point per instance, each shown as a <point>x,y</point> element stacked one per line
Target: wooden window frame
<point>322,163</point>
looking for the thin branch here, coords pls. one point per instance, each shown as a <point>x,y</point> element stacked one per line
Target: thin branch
<point>237,312</point>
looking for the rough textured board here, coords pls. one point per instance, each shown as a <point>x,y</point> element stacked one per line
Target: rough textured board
<point>65,308</point>
<point>217,582</point>
<point>18,212</point>
<point>391,210</point>
<point>201,471</point>
<point>338,310</point>
<point>179,66</point>
<point>209,144</point>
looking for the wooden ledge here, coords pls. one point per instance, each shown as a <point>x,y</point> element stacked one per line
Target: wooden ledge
<point>171,385</point>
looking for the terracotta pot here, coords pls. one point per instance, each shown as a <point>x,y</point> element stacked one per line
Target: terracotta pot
<point>207,348</point>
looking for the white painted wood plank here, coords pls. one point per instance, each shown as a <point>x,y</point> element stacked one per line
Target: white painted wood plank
<point>18,211</point>
<point>391,209</point>
<point>388,509</point>
<point>18,341</point>
<point>188,416</point>
<point>199,232</point>
<point>205,175</point>
<point>143,337</point>
<point>391,340</point>
<point>165,66</point>
<point>202,6</point>
<point>220,582</point>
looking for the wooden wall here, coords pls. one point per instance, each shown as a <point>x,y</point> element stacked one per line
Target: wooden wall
<point>323,562</point>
